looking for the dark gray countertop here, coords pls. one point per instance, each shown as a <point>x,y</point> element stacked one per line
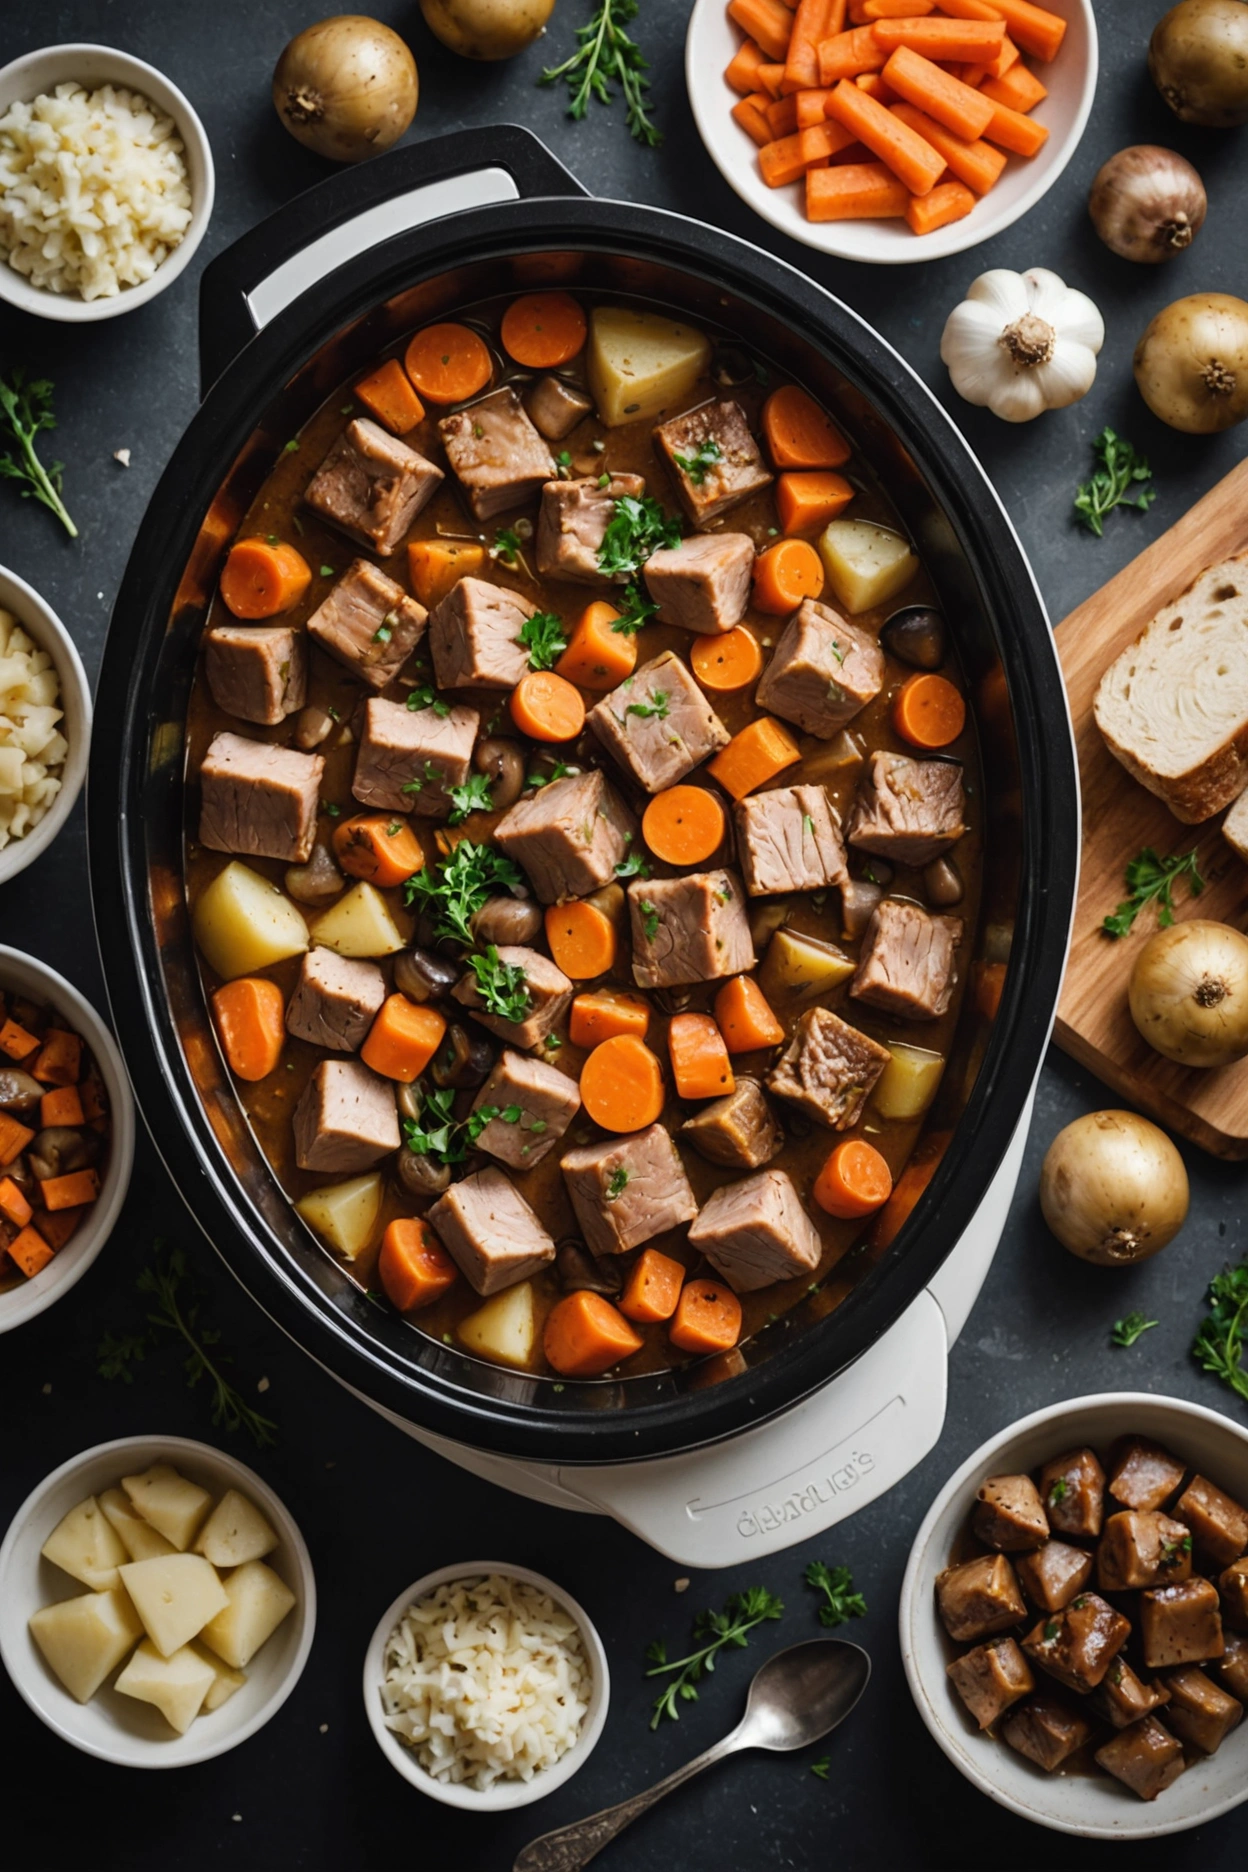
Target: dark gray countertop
<point>312,1790</point>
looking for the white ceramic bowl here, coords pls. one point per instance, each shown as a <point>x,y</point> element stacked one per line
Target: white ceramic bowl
<point>116,1728</point>
<point>712,41</point>
<point>41,624</point>
<point>1093,1806</point>
<point>503,1794</point>
<point>71,1262</point>
<point>91,66</point>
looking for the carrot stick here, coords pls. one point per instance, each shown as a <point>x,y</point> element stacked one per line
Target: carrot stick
<point>912,161</point>
<point>874,86</point>
<point>766,22</point>
<point>413,1267</point>
<point>1019,89</point>
<point>977,163</point>
<point>1034,29</point>
<point>947,99</point>
<point>910,1185</point>
<point>585,1335</point>
<point>379,847</point>
<point>262,577</point>
<point>741,71</point>
<point>653,1287</point>
<point>751,114</point>
<point>1021,135</point>
<point>684,825</point>
<point>707,1318</point>
<point>761,751</point>
<point>598,657</point>
<point>388,395</point>
<point>854,1180</point>
<point>622,1084</point>
<point>948,201</point>
<point>783,160</point>
<point>812,22</point>
<point>943,39</point>
<point>806,502</point>
<point>799,433</point>
<point>448,362</point>
<point>823,140</point>
<point>581,939</point>
<point>700,1064</point>
<point>251,1021</point>
<point>782,117</point>
<point>846,54</point>
<point>605,1016</point>
<point>997,67</point>
<point>745,1017</point>
<point>547,708</point>
<point>811,108</point>
<point>402,1039</point>
<point>785,574</point>
<point>872,10</point>
<point>770,78</point>
<point>435,566</point>
<point>730,662</point>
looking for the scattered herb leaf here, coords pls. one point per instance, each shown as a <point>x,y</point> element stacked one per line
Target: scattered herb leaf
<point>557,772</point>
<point>605,54</point>
<point>638,527</point>
<point>617,1183</point>
<point>1119,469</point>
<point>703,458</point>
<point>473,796</point>
<point>435,1134</point>
<point>1152,879</point>
<point>543,638</point>
<point>1219,1344</point>
<point>649,918</point>
<point>25,412</point>
<point>423,697</point>
<point>506,546</point>
<point>502,985</point>
<point>836,1584</point>
<point>713,1632</point>
<point>455,890</point>
<point>633,865</point>
<point>656,707</point>
<point>1128,1329</point>
<point>822,1768</point>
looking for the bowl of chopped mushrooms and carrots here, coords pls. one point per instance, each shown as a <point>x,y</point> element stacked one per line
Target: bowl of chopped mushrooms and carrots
<point>885,139</point>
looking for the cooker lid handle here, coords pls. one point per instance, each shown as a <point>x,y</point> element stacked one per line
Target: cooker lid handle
<point>248,285</point>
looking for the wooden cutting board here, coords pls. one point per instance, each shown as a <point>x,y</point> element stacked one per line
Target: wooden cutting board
<point>1120,817</point>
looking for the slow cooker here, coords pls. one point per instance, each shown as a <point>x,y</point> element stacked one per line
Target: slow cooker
<point>286,314</point>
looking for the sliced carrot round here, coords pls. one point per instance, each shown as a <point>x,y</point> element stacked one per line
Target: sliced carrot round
<point>785,574</point>
<point>546,707</point>
<point>448,363</point>
<point>622,1084</point>
<point>854,1181</point>
<point>581,938</point>
<point>542,330</point>
<point>800,434</point>
<point>732,661</point>
<point>928,711</point>
<point>683,825</point>
<point>262,577</point>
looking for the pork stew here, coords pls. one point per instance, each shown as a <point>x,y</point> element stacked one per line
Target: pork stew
<point>584,839</point>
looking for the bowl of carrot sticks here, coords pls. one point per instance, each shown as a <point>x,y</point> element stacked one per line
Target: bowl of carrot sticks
<point>891,131</point>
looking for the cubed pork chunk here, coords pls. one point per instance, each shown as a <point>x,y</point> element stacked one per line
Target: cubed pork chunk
<point>1054,1573</point>
<point>990,1678</point>
<point>1010,1515</point>
<point>908,811</point>
<point>658,725</point>
<point>979,1598</point>
<point>1146,1758</point>
<point>1144,1475</point>
<point>1123,1698</point>
<point>738,1131</point>
<point>689,929</point>
<point>627,1190</point>
<point>346,1119</point>
<point>714,459</point>
<point>569,836</point>
<point>409,759</point>
<point>533,1104</point>
<point>1142,1549</point>
<point>1073,1489</point>
<point>1231,1669</point>
<point>372,486</point>
<point>1180,1624</point>
<point>1233,1586</point>
<point>756,1231</point>
<point>906,965</point>
<point>259,799</point>
<point>822,672</point>
<point>498,457</point>
<point>474,636</point>
<point>1047,1730</point>
<point>703,584</point>
<point>258,672</point>
<point>1078,1644</point>
<point>1200,1712</point>
<point>828,1068</point>
<point>335,1000</point>
<point>789,840</point>
<point>548,990</point>
<point>490,1232</point>
<point>1218,1523</point>
<point>555,407</point>
<point>571,525</point>
<point>369,624</point>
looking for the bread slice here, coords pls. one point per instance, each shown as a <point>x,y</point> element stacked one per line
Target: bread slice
<point>1235,826</point>
<point>1174,707</point>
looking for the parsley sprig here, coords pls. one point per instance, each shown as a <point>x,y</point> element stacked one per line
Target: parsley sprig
<point>435,1133</point>
<point>558,770</point>
<point>1119,470</point>
<point>634,863</point>
<point>1128,1329</point>
<point>455,890</point>
<point>502,985</point>
<point>656,707</point>
<point>649,918</point>
<point>473,796</point>
<point>543,638</point>
<point>704,457</point>
<point>423,697</point>
<point>1219,1344</point>
<point>25,412</point>
<point>713,1632</point>
<point>836,1584</point>
<point>606,54</point>
<point>1152,879</point>
<point>637,528</point>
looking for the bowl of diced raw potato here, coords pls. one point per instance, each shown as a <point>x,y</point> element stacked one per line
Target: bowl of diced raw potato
<point>157,1602</point>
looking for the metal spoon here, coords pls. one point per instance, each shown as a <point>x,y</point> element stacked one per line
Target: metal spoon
<point>796,1697</point>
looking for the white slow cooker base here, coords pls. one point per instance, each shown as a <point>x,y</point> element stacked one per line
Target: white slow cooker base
<point>797,1474</point>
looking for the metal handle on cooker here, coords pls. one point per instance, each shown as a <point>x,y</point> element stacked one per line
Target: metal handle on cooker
<point>251,282</point>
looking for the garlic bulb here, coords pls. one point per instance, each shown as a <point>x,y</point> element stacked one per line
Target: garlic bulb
<point>1022,343</point>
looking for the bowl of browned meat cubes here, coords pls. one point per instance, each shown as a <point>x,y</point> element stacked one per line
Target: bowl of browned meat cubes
<point>1074,1616</point>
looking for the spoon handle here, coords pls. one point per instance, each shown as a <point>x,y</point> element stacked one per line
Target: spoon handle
<point>569,1848</point>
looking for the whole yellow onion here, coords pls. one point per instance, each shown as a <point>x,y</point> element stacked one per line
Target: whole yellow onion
<point>346,87</point>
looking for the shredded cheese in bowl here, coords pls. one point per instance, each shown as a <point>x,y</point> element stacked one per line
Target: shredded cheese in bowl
<point>32,747</point>
<point>486,1679</point>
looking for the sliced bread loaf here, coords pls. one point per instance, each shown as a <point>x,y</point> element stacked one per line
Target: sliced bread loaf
<point>1174,707</point>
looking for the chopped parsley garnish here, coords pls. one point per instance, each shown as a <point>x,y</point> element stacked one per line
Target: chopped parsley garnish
<point>291,447</point>
<point>431,776</point>
<point>563,461</point>
<point>327,571</point>
<point>435,1134</point>
<point>473,796</point>
<point>424,697</point>
<point>649,918</point>
<point>656,707</point>
<point>557,772</point>
<point>1051,1631</point>
<point>543,638</point>
<point>1218,1346</point>
<point>822,1769</point>
<point>808,825</point>
<point>1151,879</point>
<point>1059,1491</point>
<point>1128,1330</point>
<point>617,1183</point>
<point>636,610</point>
<point>704,456</point>
<point>836,650</point>
<point>502,985</point>
<point>455,890</point>
<point>633,863</point>
<point>552,1043</point>
<point>506,546</point>
<point>637,528</point>
<point>327,806</point>
<point>382,634</point>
